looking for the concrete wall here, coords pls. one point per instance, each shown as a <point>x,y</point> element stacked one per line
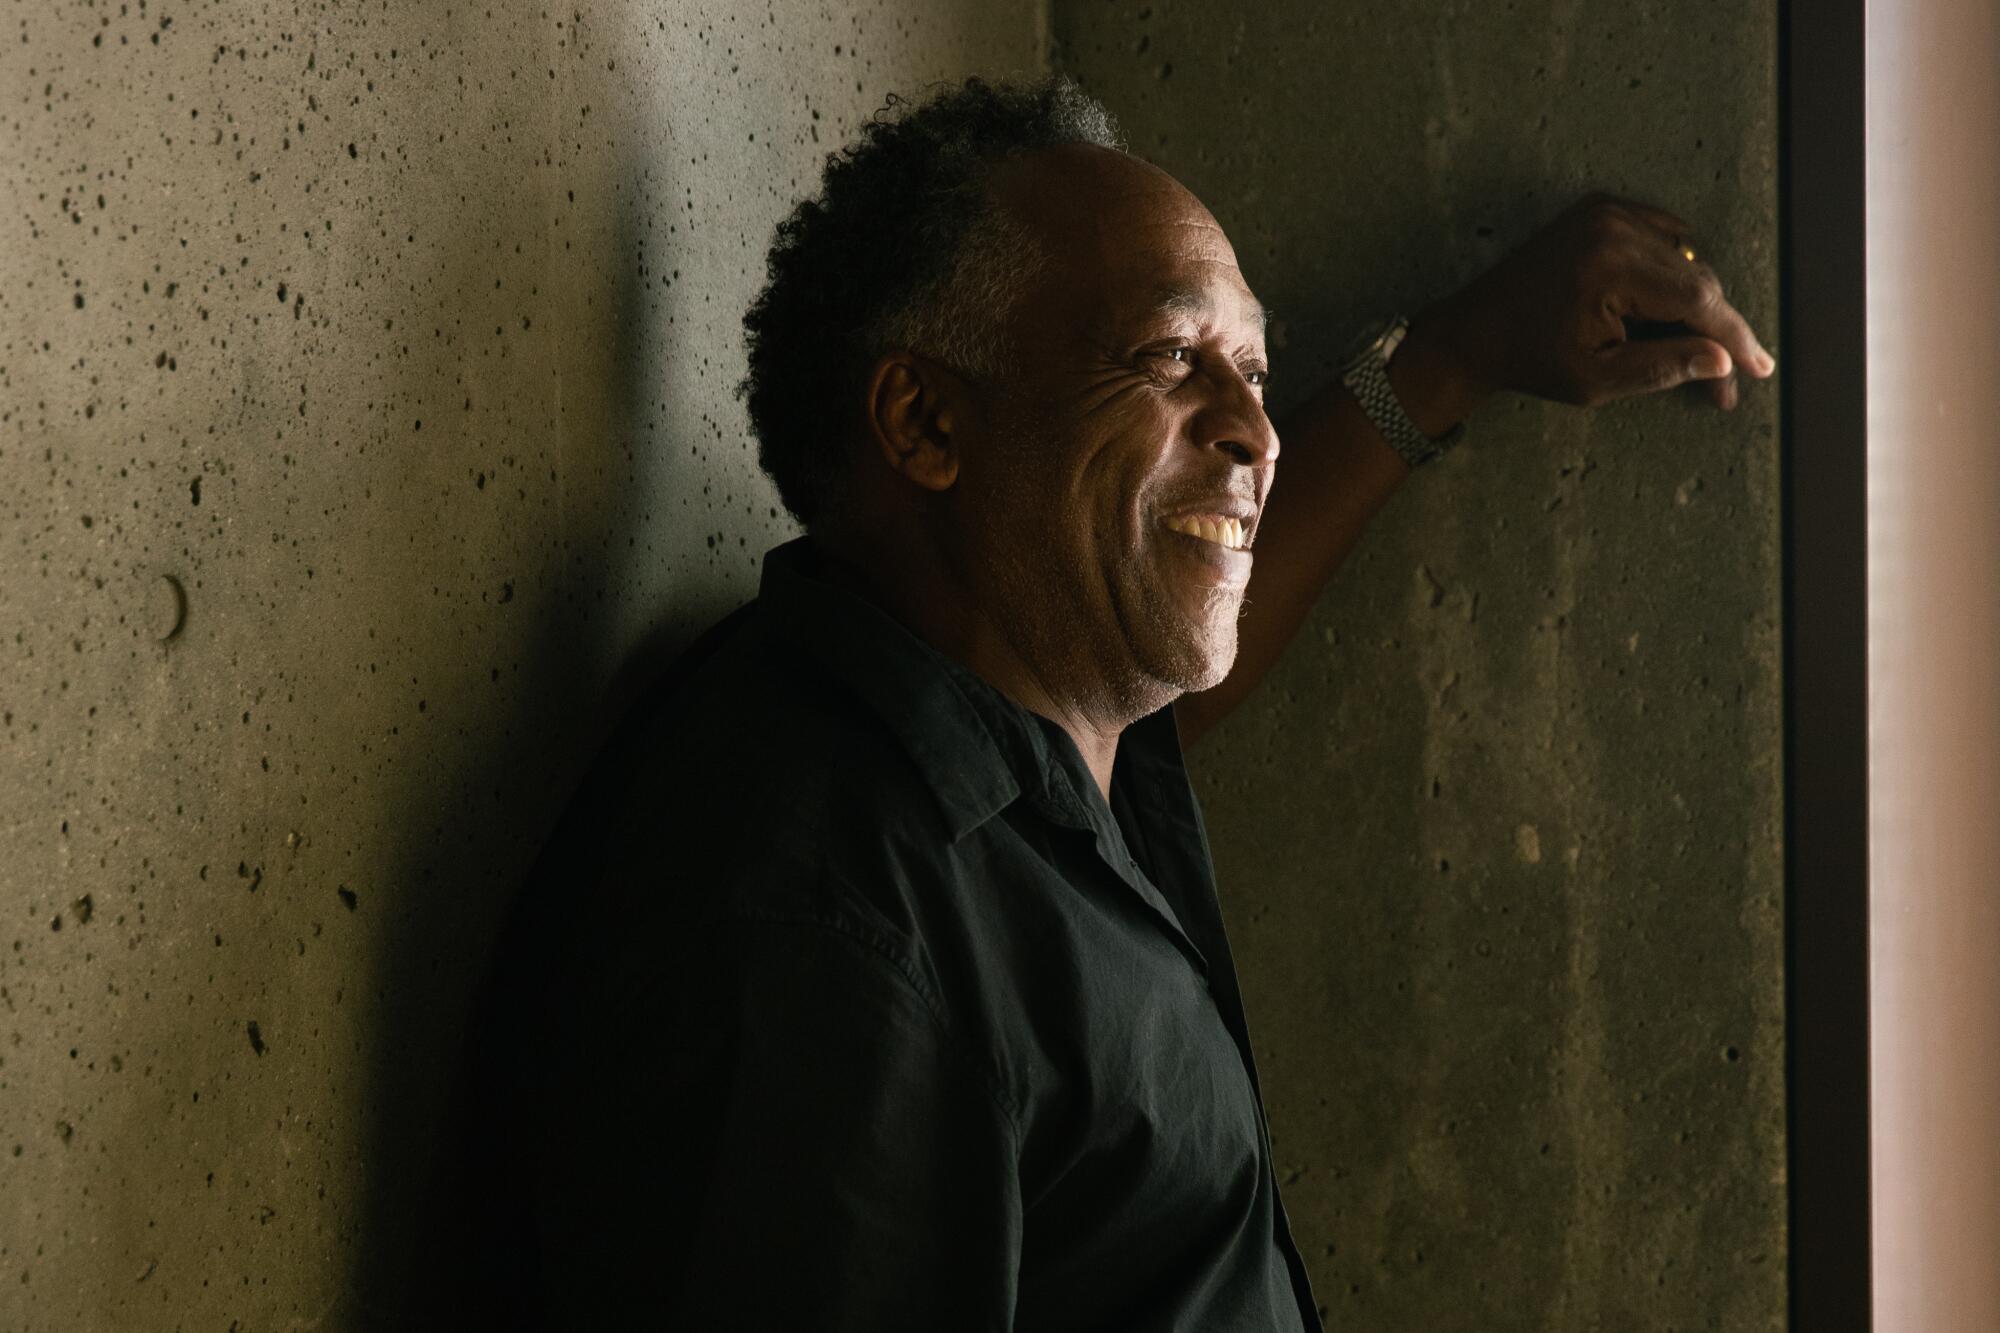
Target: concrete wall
<point>1499,842</point>
<point>365,412</point>
<point>365,403</point>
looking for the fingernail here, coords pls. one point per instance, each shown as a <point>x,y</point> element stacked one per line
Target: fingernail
<point>1766,363</point>
<point>1710,365</point>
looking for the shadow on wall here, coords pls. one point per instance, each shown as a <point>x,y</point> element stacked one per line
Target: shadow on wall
<point>469,828</point>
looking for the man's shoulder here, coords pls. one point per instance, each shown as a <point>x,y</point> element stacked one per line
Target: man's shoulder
<point>754,762</point>
<point>763,716</point>
<point>745,786</point>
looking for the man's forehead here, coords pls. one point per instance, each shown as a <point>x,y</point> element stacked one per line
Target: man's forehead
<point>1131,236</point>
<point>1080,196</point>
<point>1216,302</point>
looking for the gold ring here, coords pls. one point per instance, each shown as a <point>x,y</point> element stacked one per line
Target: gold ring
<point>1687,252</point>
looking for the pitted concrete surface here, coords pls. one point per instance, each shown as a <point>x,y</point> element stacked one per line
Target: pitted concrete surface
<point>366,402</point>
<point>1499,840</point>
<point>366,412</point>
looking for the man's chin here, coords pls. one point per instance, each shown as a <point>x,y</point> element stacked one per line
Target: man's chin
<point>1203,659</point>
<point>1217,672</point>
<point>1191,645</point>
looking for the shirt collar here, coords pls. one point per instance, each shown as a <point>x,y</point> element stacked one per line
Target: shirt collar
<point>973,745</point>
<point>977,749</point>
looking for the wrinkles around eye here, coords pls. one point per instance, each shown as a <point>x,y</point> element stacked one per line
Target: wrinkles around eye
<point>1177,363</point>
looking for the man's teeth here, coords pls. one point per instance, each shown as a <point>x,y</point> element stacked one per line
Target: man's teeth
<point>1224,532</point>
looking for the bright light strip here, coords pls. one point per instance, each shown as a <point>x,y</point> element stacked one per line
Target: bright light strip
<point>1933,166</point>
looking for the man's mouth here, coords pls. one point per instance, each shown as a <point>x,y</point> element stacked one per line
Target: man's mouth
<point>1220,529</point>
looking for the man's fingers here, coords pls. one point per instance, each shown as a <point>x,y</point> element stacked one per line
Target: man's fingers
<point>1673,226</point>
<point>1650,365</point>
<point>1691,295</point>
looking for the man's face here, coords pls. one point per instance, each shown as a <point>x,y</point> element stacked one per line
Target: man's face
<point>1099,483</point>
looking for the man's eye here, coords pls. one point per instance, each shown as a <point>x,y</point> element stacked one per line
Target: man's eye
<point>1258,377</point>
<point>1181,354</point>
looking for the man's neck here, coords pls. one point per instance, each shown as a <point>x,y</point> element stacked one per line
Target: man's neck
<point>921,597</point>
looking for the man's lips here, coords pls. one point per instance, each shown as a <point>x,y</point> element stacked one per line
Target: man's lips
<point>1217,563</point>
<point>1223,506</point>
<point>1227,522</point>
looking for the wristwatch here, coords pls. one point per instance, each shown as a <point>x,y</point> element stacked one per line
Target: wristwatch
<point>1364,370</point>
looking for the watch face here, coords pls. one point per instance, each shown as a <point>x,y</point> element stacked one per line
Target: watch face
<point>1364,342</point>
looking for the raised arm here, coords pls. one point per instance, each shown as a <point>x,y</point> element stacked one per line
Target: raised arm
<point>1606,302</point>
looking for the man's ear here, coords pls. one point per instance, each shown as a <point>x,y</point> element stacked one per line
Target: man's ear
<point>910,416</point>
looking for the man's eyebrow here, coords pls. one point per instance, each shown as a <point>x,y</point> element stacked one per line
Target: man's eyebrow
<point>1198,301</point>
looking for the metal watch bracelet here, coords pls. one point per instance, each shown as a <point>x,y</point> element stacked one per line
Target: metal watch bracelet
<point>1366,375</point>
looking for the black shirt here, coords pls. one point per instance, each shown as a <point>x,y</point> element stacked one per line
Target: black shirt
<point>843,1000</point>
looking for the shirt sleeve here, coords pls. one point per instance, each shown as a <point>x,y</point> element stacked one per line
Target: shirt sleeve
<point>790,1140</point>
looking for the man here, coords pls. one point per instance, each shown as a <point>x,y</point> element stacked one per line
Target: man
<point>884,984</point>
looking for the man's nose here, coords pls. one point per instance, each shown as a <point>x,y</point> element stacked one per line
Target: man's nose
<point>1234,420</point>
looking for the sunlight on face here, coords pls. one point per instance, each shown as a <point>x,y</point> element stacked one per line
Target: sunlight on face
<point>1119,476</point>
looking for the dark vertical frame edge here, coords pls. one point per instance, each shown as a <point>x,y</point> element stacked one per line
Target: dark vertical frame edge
<point>1822,203</point>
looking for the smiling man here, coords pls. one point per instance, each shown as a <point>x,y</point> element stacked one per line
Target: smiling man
<point>919,1013</point>
<point>1073,517</point>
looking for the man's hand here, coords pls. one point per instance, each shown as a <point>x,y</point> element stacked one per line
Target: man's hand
<point>1602,303</point>
<point>1605,302</point>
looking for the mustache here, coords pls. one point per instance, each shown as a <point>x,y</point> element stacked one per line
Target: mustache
<point>1223,491</point>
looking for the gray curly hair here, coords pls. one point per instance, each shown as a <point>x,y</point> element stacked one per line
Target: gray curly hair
<point>902,249</point>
